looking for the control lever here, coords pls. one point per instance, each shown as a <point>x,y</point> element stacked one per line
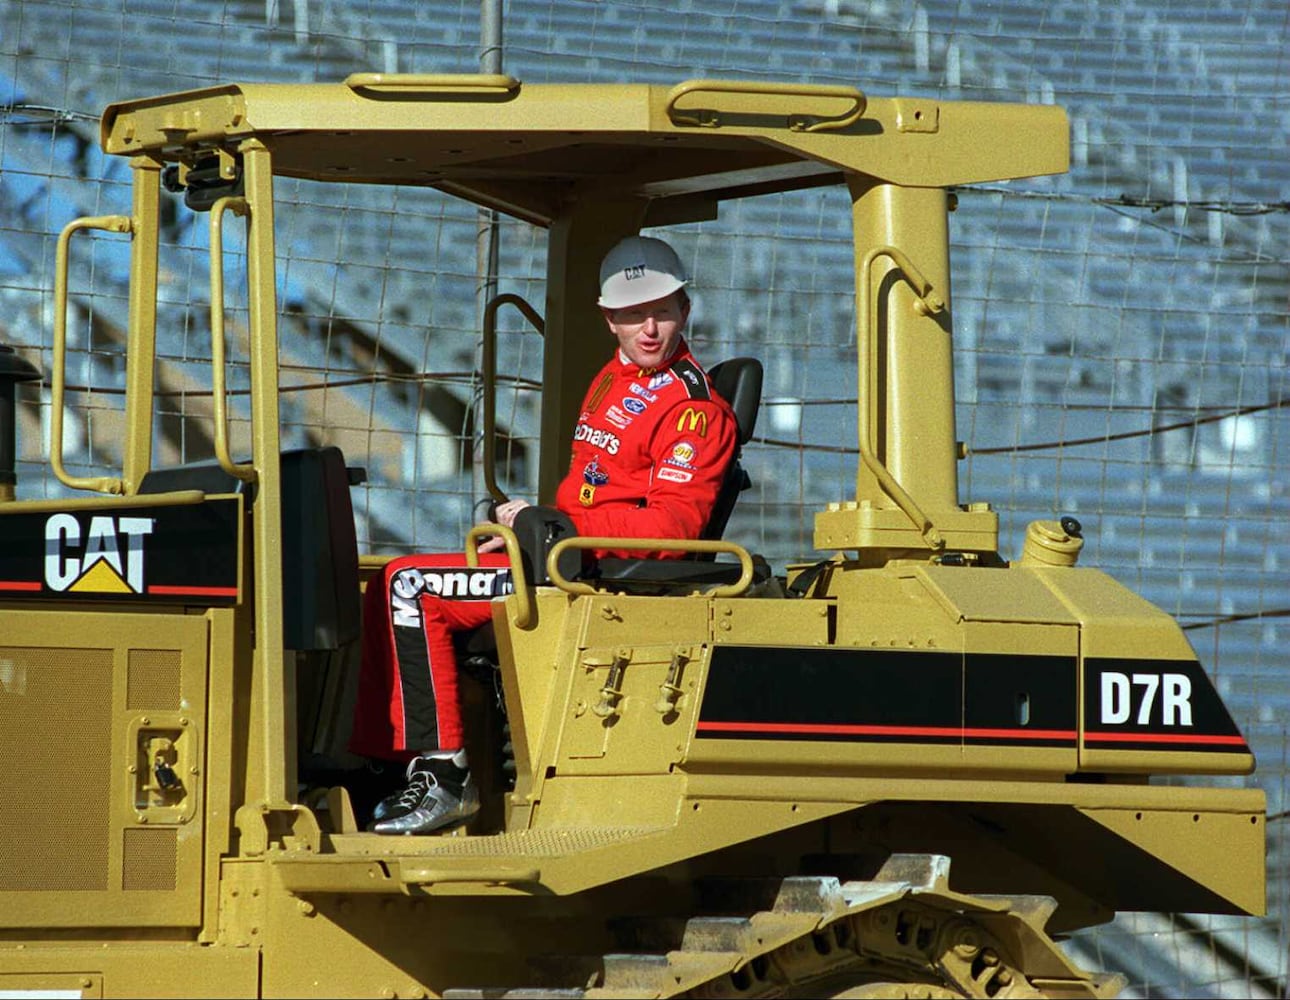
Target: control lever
<point>669,691</point>
<point>613,689</point>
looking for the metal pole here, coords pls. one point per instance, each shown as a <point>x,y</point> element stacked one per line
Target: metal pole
<point>490,61</point>
<point>141,359</point>
<point>273,782</point>
<point>490,36</point>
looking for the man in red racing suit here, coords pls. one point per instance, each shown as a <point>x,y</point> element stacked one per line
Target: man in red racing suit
<point>650,450</point>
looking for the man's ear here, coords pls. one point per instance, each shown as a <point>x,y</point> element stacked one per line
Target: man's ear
<point>609,317</point>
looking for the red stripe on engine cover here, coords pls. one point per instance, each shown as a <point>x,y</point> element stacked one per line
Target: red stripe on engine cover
<point>838,729</point>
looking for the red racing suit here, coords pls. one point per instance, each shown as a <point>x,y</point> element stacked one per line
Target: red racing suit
<point>650,451</point>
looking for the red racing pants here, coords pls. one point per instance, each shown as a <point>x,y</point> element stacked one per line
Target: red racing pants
<point>407,687</point>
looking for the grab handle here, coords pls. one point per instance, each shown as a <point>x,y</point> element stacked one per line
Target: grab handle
<point>802,119</point>
<point>219,395</point>
<point>446,83</point>
<point>523,616</point>
<point>928,302</point>
<point>699,545</point>
<point>58,374</point>
<point>489,364</point>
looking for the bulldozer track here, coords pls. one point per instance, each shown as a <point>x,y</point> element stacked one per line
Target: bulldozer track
<point>905,933</point>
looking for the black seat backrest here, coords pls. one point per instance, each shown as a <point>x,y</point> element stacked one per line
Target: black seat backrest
<point>321,594</point>
<point>322,602</point>
<point>738,382</point>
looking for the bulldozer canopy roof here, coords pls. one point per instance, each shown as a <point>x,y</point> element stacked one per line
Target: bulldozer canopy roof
<point>527,150</point>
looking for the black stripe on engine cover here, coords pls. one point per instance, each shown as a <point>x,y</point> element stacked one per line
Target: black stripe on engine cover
<point>888,696</point>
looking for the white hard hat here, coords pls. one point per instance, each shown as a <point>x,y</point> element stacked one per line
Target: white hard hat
<point>639,269</point>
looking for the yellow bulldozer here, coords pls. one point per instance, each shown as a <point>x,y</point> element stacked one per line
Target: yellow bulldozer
<point>903,766</point>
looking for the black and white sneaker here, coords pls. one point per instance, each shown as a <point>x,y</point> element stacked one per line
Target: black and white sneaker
<point>440,795</point>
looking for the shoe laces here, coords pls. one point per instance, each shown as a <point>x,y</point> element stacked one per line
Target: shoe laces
<point>419,783</point>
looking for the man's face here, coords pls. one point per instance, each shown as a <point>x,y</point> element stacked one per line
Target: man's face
<point>648,333</point>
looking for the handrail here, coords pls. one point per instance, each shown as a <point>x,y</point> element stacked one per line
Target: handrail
<point>237,205</point>
<point>503,875</point>
<point>804,121</point>
<point>523,616</point>
<point>445,82</point>
<point>699,545</point>
<point>58,374</point>
<point>174,498</point>
<point>489,363</point>
<point>929,301</point>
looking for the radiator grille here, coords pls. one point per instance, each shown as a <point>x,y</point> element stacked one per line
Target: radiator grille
<point>55,732</point>
<point>150,859</point>
<point>153,679</point>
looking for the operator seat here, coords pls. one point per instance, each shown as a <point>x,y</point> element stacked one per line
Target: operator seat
<point>738,381</point>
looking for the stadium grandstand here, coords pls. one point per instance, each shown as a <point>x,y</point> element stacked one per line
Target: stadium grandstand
<point>1121,331</point>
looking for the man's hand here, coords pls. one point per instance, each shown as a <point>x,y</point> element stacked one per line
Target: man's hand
<point>505,515</point>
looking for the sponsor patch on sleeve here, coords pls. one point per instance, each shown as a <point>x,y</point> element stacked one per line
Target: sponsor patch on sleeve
<point>683,454</point>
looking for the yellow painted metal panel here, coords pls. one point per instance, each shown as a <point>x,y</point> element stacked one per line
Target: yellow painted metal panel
<point>90,836</point>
